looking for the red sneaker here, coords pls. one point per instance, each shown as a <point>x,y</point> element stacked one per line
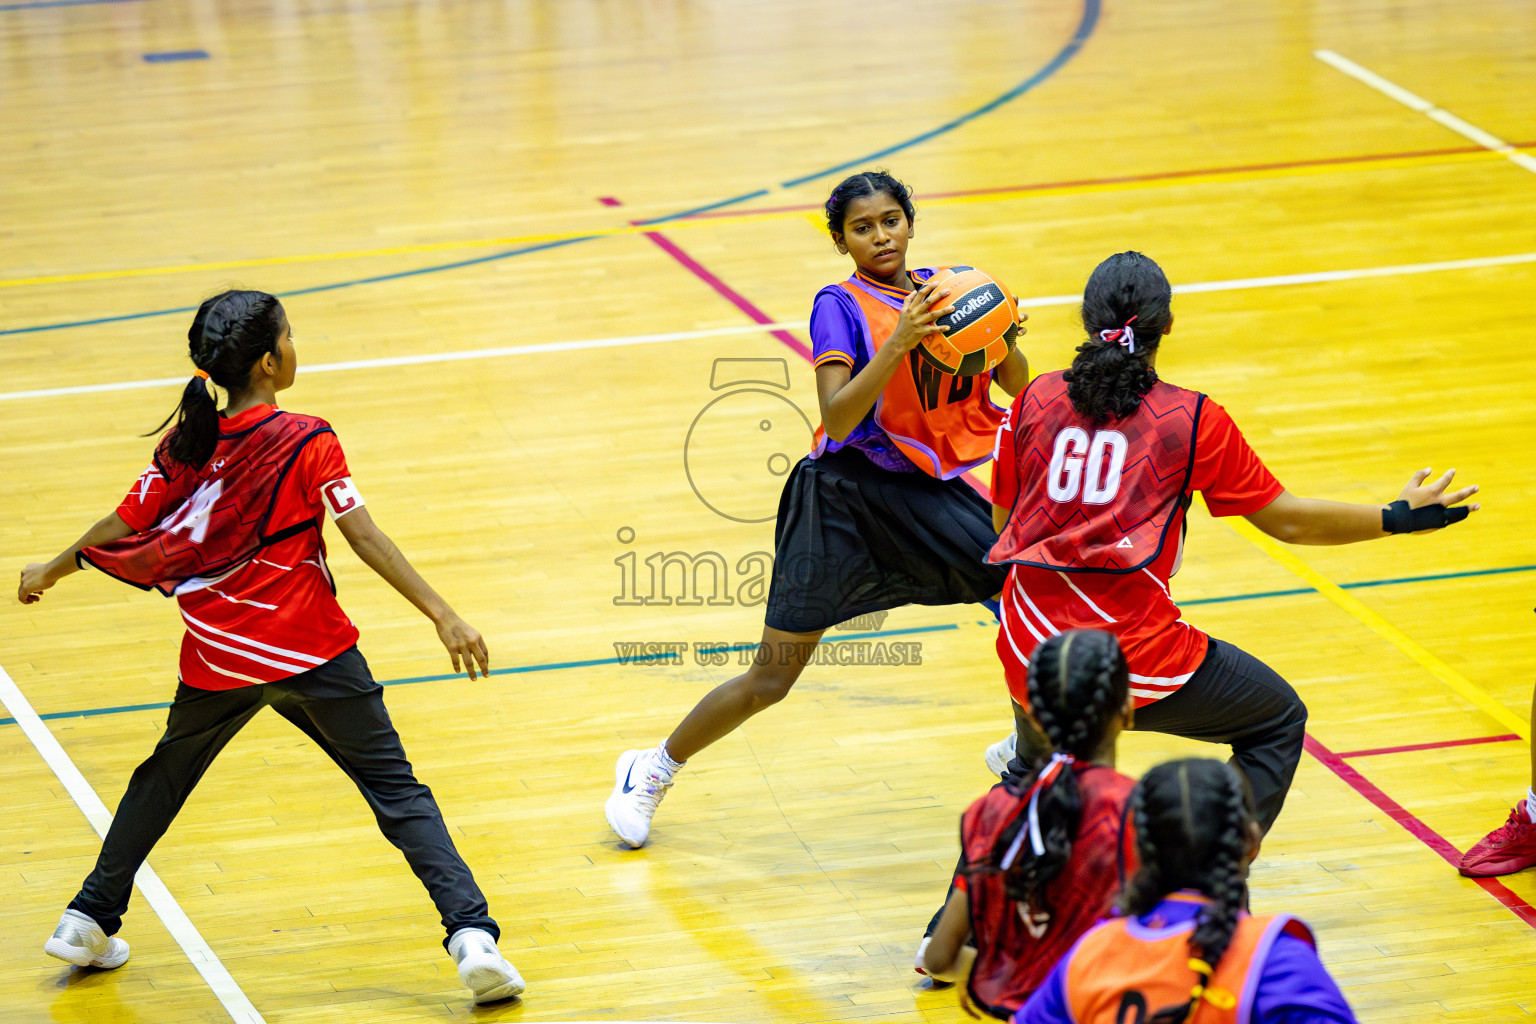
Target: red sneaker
<point>1510,847</point>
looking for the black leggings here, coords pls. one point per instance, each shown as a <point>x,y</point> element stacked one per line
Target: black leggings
<point>1232,698</point>
<point>341,708</point>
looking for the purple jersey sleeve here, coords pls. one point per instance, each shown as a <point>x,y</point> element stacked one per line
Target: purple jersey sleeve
<point>1296,988</point>
<point>1048,1003</point>
<point>834,331</point>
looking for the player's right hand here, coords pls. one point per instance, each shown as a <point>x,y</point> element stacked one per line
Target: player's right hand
<point>918,312</point>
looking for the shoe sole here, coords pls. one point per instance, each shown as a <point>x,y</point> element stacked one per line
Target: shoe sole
<point>79,956</point>
<point>1496,870</point>
<point>620,776</point>
<point>507,988</point>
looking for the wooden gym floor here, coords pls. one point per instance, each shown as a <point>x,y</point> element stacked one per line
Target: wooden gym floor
<point>425,178</point>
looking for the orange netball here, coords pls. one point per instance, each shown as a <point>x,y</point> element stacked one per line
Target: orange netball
<point>983,322</point>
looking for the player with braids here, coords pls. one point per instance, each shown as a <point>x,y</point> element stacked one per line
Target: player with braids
<point>1095,470</point>
<point>1042,855</point>
<point>878,515</point>
<point>1186,949</point>
<point>227,519</point>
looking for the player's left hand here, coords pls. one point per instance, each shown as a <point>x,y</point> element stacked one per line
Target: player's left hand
<point>1023,316</point>
<point>1417,493</point>
<point>464,643</point>
<point>34,580</point>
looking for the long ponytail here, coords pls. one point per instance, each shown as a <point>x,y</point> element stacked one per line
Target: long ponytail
<point>1125,312</point>
<point>1078,682</point>
<point>1193,821</point>
<point>229,334</point>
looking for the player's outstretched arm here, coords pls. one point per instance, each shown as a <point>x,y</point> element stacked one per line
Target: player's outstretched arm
<point>380,554</point>
<point>1421,508</point>
<point>39,576</point>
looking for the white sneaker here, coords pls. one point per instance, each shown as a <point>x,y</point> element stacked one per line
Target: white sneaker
<point>1000,753</point>
<point>80,941</point>
<point>639,783</point>
<point>482,968</point>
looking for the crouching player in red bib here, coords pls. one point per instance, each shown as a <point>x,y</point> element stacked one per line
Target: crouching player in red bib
<point>1186,949</point>
<point>1096,467</point>
<point>1043,856</point>
<point>227,519</point>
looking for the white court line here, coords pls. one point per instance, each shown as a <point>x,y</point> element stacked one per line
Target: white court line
<point>1039,301</point>
<point>1428,109</point>
<point>153,890</point>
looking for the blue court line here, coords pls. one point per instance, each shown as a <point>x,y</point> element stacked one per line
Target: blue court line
<point>1085,27</point>
<point>553,666</point>
<point>316,288</point>
<point>550,666</point>
<point>172,56</point>
<point>1392,581</point>
<point>34,4</point>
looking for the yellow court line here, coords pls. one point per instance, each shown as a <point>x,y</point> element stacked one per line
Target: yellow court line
<point>1381,627</point>
<point>747,216</point>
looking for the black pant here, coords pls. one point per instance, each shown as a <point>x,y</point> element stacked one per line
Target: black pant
<point>1232,698</point>
<point>341,708</point>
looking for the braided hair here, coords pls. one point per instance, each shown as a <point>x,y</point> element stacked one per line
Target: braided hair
<point>1078,682</point>
<point>1193,822</point>
<point>859,186</point>
<point>229,334</point>
<point>1125,312</point>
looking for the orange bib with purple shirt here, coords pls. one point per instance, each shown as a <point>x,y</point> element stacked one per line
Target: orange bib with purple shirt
<point>944,423</point>
<point>1125,970</point>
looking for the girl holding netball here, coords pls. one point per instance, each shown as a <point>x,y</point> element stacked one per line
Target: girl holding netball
<point>877,515</point>
<point>1042,856</point>
<point>1187,949</point>
<point>1096,467</point>
<point>228,518</point>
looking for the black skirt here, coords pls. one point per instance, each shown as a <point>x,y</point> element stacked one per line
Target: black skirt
<point>853,538</point>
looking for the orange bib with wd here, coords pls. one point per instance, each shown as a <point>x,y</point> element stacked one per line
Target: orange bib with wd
<point>1126,971</point>
<point>944,423</point>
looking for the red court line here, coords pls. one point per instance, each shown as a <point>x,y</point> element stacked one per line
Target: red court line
<point>1132,178</point>
<point>1420,831</point>
<point>1506,738</point>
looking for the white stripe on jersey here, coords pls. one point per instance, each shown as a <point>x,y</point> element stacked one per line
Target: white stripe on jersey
<point>1014,606</point>
<point>295,669</point>
<point>1162,682</point>
<point>1009,637</point>
<point>227,672</point>
<point>1096,609</point>
<point>1154,579</point>
<point>297,655</point>
<point>1019,589</point>
<point>241,600</point>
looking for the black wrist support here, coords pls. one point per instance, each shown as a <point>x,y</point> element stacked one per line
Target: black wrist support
<point>1399,518</point>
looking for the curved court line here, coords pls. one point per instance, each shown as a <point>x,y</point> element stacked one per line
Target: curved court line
<point>1086,25</point>
<point>553,666</point>
<point>991,194</point>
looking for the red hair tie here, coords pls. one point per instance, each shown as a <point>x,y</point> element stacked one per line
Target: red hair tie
<point>1122,336</point>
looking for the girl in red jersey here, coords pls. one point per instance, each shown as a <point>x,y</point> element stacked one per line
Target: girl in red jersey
<point>1042,856</point>
<point>877,515</point>
<point>1096,466</point>
<point>227,519</point>
<point>1187,950</point>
